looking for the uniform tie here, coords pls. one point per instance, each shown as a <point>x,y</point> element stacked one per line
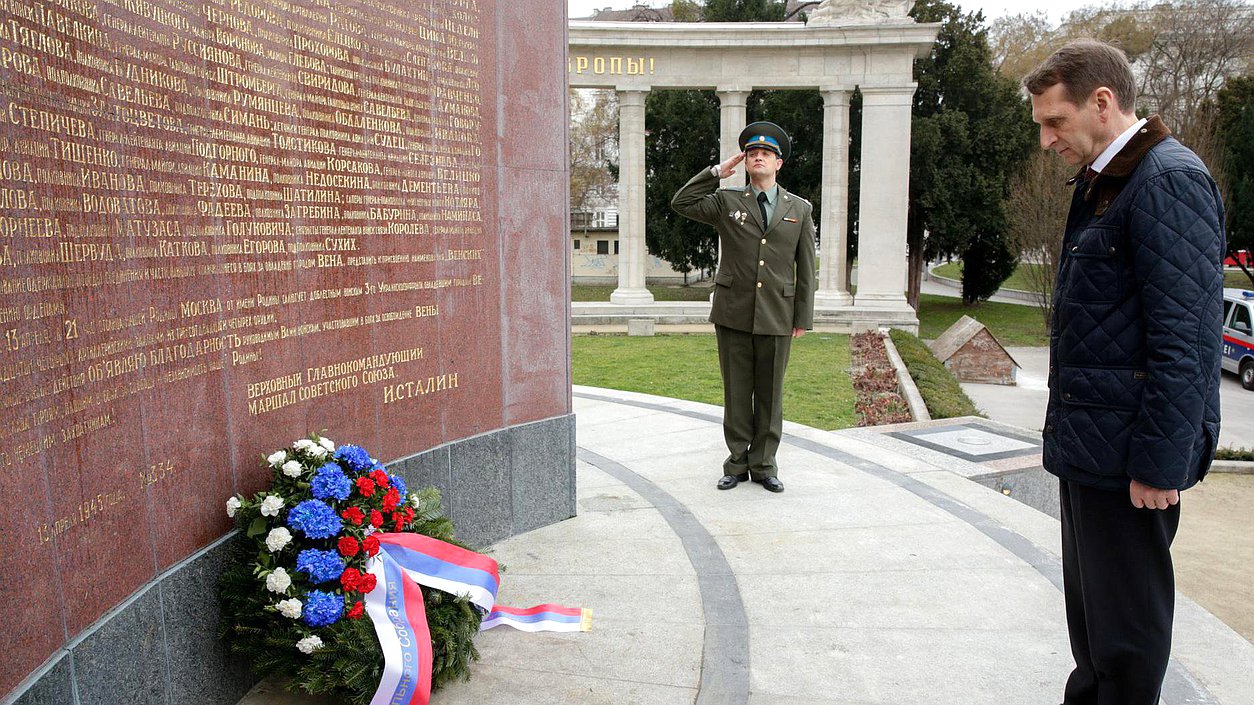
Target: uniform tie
<point>762,207</point>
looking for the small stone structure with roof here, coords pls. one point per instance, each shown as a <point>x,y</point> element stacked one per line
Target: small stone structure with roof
<point>973,354</point>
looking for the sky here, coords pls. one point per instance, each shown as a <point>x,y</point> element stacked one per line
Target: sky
<point>1055,9</point>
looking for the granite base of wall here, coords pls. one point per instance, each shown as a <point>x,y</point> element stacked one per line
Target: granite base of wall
<point>161,646</point>
<point>1033,486</point>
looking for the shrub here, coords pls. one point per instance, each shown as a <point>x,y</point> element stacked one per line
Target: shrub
<point>1231,453</point>
<point>940,389</point>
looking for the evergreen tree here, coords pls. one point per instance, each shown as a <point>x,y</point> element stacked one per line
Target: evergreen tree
<point>971,133</point>
<point>681,138</point>
<point>745,10</point>
<point>682,132</point>
<point>1236,133</point>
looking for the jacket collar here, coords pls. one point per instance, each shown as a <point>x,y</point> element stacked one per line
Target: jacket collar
<point>1150,134</point>
<point>783,205</point>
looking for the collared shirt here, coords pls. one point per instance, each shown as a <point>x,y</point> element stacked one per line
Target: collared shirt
<point>1104,159</point>
<point>772,197</point>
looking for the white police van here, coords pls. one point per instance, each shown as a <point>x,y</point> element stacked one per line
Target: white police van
<point>1239,334</point>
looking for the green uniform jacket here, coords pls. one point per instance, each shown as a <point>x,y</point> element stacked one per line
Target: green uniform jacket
<point>765,281</point>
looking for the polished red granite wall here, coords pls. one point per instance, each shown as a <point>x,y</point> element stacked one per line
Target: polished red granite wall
<point>224,224</point>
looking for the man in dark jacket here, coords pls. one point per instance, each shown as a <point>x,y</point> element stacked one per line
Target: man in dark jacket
<point>763,295</point>
<point>1133,415</point>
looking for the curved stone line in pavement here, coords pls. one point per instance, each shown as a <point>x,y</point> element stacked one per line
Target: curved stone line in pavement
<point>1180,687</point>
<point>725,652</point>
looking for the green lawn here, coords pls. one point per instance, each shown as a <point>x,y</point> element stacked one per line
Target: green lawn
<point>817,391</point>
<point>1018,281</point>
<point>1012,324</point>
<point>599,292</point>
<point>1237,280</point>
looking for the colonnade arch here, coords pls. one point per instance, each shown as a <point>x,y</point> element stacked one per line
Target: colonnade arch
<point>734,59</point>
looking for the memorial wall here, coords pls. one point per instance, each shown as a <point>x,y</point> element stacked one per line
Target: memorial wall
<point>225,224</point>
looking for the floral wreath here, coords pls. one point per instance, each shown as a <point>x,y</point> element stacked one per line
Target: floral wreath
<point>293,592</point>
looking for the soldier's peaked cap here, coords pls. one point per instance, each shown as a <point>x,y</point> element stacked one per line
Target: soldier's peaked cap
<point>766,135</point>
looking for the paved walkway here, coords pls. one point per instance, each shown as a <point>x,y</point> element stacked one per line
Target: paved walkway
<point>881,575</point>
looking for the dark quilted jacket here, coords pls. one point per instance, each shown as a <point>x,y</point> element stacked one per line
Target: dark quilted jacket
<point>1135,342</point>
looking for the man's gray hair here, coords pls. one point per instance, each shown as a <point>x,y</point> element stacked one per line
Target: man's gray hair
<point>1082,66</point>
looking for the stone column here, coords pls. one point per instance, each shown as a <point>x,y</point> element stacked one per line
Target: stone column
<point>833,289</point>
<point>732,117</point>
<point>631,251</point>
<point>884,197</point>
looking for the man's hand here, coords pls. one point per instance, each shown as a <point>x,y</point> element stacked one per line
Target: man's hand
<point>798,332</point>
<point>1146,497</point>
<point>727,168</point>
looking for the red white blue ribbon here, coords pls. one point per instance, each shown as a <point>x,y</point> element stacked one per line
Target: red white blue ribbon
<point>396,608</point>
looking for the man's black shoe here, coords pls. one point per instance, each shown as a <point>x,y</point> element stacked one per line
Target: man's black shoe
<point>727,482</point>
<point>772,484</point>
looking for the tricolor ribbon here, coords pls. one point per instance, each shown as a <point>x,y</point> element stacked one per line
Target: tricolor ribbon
<point>396,608</point>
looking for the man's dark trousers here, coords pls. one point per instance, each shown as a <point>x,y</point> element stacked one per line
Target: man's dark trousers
<point>753,399</point>
<point>1120,595</point>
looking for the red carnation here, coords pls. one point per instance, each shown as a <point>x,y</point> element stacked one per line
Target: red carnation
<point>348,546</point>
<point>409,514</point>
<point>372,545</point>
<point>354,514</point>
<point>366,583</point>
<point>350,580</point>
<point>380,478</point>
<point>391,499</point>
<point>356,611</point>
<point>376,519</point>
<point>365,486</point>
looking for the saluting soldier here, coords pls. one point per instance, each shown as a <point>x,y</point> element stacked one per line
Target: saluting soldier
<point>763,295</point>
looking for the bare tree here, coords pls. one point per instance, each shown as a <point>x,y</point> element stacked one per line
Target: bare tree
<point>593,147</point>
<point>1020,42</point>
<point>1197,45</point>
<point>1037,215</point>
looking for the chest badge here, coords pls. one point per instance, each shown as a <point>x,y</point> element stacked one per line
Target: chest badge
<point>738,216</point>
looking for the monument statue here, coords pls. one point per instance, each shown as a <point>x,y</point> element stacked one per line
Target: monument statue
<point>832,13</point>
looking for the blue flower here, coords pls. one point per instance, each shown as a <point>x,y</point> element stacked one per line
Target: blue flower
<point>322,608</point>
<point>322,566</point>
<point>355,457</point>
<point>330,482</point>
<point>315,518</point>
<point>399,483</point>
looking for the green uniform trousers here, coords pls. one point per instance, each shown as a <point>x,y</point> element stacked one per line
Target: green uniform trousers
<point>753,399</point>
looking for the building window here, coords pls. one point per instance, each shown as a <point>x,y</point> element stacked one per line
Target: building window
<point>616,247</point>
<point>576,244</point>
<point>603,247</point>
<point>605,219</point>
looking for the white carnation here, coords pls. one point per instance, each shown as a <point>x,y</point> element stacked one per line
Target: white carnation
<point>414,500</point>
<point>278,538</point>
<point>277,458</point>
<point>318,451</point>
<point>305,445</point>
<point>309,644</point>
<point>271,505</point>
<point>278,581</point>
<point>232,505</point>
<point>292,468</point>
<point>327,443</point>
<point>290,608</point>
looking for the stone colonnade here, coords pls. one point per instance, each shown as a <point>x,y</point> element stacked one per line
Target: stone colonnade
<point>733,59</point>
